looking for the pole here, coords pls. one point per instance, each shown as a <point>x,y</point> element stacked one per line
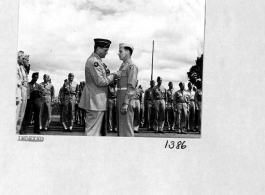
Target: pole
<point>152,61</point>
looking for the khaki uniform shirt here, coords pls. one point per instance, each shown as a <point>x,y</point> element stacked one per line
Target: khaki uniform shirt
<point>94,95</point>
<point>180,97</point>
<point>129,72</point>
<point>47,89</point>
<point>159,93</point>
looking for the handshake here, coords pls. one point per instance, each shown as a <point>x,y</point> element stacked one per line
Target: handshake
<point>117,75</point>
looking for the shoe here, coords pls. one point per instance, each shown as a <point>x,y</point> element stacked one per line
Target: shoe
<point>136,131</point>
<point>162,132</point>
<point>46,128</point>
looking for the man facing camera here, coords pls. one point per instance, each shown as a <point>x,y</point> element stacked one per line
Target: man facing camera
<point>126,91</point>
<point>94,96</point>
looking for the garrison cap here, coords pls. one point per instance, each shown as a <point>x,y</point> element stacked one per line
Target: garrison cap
<point>152,81</point>
<point>122,45</point>
<point>102,43</point>
<point>35,73</point>
<point>71,74</point>
<point>159,79</point>
<point>47,76</point>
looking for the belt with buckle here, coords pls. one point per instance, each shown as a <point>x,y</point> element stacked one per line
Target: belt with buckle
<point>122,88</point>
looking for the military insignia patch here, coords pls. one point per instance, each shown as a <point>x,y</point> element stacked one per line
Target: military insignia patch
<point>96,64</point>
<point>131,66</point>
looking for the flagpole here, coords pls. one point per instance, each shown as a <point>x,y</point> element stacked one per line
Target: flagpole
<point>152,61</point>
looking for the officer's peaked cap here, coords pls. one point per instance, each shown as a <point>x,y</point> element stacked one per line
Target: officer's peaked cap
<point>103,43</point>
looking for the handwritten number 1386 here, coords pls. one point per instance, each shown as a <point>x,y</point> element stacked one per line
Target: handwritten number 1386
<point>179,145</point>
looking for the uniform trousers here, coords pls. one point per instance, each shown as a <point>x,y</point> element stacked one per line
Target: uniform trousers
<point>61,112</point>
<point>111,114</point>
<point>93,122</point>
<point>45,111</point>
<point>181,112</point>
<point>125,121</point>
<point>199,114</point>
<point>149,114</point>
<point>142,115</point>
<point>191,117</point>
<point>21,107</point>
<point>68,110</point>
<point>160,108</point>
<point>171,116</point>
<point>137,118</point>
<point>77,114</point>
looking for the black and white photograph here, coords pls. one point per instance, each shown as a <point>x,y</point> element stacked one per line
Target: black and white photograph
<point>112,68</point>
<point>89,76</point>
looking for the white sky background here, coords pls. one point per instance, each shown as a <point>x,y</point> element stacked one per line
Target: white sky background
<point>59,36</point>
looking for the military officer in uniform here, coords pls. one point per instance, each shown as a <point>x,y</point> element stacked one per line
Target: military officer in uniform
<point>138,104</point>
<point>159,96</point>
<point>111,116</point>
<point>126,90</point>
<point>171,117</point>
<point>94,96</point>
<point>149,107</point>
<point>47,98</point>
<point>21,93</point>
<point>191,114</point>
<point>61,100</point>
<point>70,94</point>
<point>181,107</point>
<point>198,102</point>
<point>34,90</point>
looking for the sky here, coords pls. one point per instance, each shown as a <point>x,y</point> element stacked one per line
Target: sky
<point>59,36</point>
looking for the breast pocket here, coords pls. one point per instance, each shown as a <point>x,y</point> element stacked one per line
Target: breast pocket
<point>123,73</point>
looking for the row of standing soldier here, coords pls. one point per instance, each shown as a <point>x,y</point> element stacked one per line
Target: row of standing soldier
<point>32,98</point>
<point>152,110</point>
<point>178,109</point>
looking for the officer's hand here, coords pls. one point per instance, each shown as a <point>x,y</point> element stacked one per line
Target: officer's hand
<point>124,108</point>
<point>117,75</point>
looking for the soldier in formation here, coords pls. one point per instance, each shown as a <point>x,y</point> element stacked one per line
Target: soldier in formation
<point>198,103</point>
<point>159,96</point>
<point>70,98</point>
<point>138,99</point>
<point>33,105</point>
<point>181,108</point>
<point>47,98</point>
<point>170,113</point>
<point>21,90</point>
<point>149,107</point>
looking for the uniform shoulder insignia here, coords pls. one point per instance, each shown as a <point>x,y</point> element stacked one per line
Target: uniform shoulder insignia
<point>131,66</point>
<point>96,64</point>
